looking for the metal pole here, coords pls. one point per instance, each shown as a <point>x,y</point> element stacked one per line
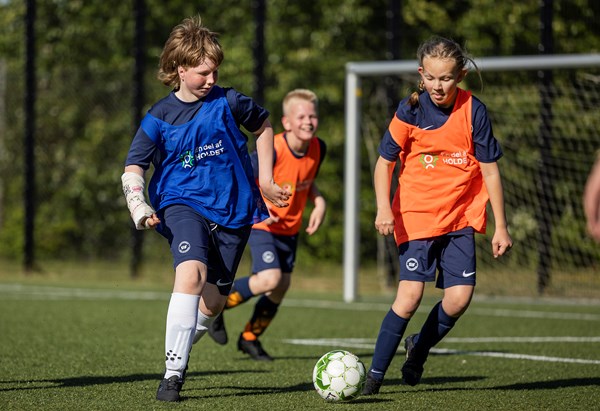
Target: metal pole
<point>351,185</point>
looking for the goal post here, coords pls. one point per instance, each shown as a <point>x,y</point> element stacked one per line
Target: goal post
<point>355,72</point>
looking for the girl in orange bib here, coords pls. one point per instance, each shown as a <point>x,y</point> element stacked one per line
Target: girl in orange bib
<point>448,172</point>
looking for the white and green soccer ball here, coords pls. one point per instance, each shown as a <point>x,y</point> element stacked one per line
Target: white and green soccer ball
<point>339,376</point>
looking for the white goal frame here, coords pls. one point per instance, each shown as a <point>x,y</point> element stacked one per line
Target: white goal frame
<point>354,72</point>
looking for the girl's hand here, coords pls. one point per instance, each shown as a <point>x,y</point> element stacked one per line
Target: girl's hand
<point>501,242</point>
<point>275,194</point>
<point>384,222</point>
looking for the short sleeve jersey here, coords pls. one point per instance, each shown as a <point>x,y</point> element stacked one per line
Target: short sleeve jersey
<point>441,188</point>
<point>201,157</point>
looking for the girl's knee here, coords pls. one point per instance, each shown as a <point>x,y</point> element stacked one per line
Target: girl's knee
<point>406,308</point>
<point>455,307</point>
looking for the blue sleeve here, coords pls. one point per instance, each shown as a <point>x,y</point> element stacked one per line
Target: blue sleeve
<point>388,149</point>
<point>245,111</point>
<point>487,148</point>
<point>254,160</point>
<point>142,151</point>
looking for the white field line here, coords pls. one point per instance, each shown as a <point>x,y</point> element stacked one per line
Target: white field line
<point>490,312</point>
<point>368,343</point>
<point>32,292</point>
<point>28,292</point>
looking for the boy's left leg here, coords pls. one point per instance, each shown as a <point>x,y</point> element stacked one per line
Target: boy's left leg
<point>243,290</point>
<point>264,311</point>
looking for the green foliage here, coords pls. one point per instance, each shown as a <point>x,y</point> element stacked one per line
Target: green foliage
<point>85,124</point>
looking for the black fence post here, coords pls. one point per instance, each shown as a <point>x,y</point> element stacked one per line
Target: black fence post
<point>259,8</point>
<point>137,236</point>
<point>545,192</point>
<point>29,140</point>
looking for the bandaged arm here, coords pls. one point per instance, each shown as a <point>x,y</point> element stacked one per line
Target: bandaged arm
<point>133,188</point>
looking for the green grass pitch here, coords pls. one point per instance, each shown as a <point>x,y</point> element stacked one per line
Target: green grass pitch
<point>101,348</point>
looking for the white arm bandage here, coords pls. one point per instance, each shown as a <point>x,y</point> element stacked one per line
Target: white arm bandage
<point>133,188</point>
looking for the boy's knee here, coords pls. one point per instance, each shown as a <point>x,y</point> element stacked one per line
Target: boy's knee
<point>270,280</point>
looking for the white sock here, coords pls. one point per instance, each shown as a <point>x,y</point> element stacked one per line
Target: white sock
<point>202,324</point>
<point>181,321</point>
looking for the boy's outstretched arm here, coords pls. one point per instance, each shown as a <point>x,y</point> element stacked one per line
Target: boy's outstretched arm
<point>317,215</point>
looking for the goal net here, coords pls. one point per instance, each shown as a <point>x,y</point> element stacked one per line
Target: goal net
<point>545,112</point>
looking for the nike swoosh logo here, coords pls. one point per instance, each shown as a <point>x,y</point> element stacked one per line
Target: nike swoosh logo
<point>221,284</point>
<point>465,274</point>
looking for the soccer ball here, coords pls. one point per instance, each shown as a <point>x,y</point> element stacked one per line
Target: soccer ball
<point>339,376</point>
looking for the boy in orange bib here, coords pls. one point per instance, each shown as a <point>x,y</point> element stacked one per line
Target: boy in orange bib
<point>298,157</point>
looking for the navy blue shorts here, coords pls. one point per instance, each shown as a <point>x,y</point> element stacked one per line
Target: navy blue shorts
<point>193,237</point>
<point>272,251</point>
<point>452,256</point>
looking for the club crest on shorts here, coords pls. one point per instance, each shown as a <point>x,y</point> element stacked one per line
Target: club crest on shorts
<point>183,247</point>
<point>268,257</point>
<point>412,264</point>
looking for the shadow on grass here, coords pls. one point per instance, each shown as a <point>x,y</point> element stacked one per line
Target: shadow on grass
<point>534,385</point>
<point>237,391</point>
<point>551,385</point>
<point>89,380</point>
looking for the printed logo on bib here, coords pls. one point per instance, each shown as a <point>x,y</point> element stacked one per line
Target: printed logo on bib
<point>190,157</point>
<point>187,159</point>
<point>428,160</point>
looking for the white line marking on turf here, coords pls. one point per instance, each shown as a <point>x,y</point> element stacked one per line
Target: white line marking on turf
<point>521,339</point>
<point>38,292</point>
<point>490,312</point>
<point>32,292</point>
<point>518,356</point>
<point>497,312</point>
<point>369,343</point>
